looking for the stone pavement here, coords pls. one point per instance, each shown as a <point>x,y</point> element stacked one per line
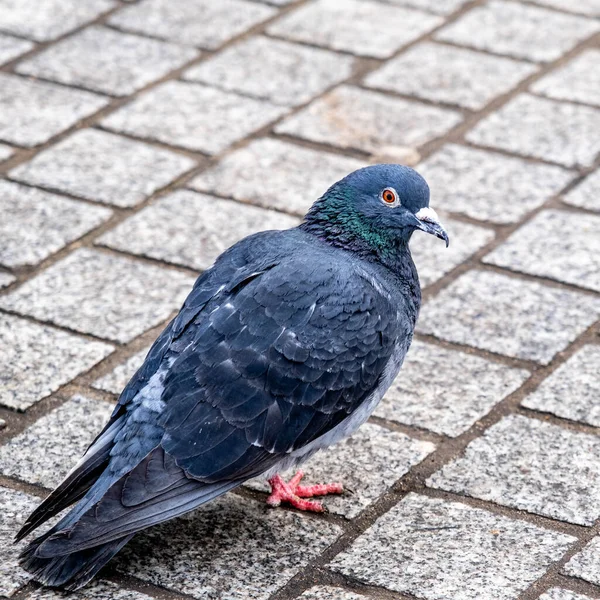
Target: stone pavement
<point>138,139</point>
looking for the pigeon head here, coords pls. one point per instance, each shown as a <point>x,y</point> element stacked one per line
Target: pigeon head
<point>375,210</point>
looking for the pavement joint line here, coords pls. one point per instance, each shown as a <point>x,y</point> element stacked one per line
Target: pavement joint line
<point>575,584</point>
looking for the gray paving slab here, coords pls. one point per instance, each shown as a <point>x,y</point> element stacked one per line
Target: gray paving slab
<point>488,186</point>
<point>436,549</point>
<point>95,292</point>
<point>577,81</point>
<point>522,319</point>
<point>275,174</point>
<point>187,24</point>
<point>519,30</point>
<point>37,224</point>
<point>360,27</point>
<point>435,6</point>
<point>586,564</point>
<point>573,390</point>
<point>368,464</point>
<point>584,7</point>
<point>11,47</point>
<point>247,550</point>
<point>447,391</point>
<point>117,379</point>
<point>350,117</point>
<point>558,244</point>
<point>450,75</point>
<point>37,360</point>
<point>275,70</point>
<point>530,465</point>
<point>192,116</point>
<point>50,19</point>
<point>34,111</point>
<point>97,590</point>
<point>104,167</point>
<point>191,229</point>
<point>548,130</point>
<point>107,61</point>
<point>5,152</point>
<point>6,279</point>
<point>586,194</point>
<point>561,594</point>
<point>326,592</point>
<point>47,450</point>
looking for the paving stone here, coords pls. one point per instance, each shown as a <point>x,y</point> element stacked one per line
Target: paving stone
<point>192,116</point>
<point>573,390</point>
<point>578,80</point>
<point>326,592</point>
<point>437,549</point>
<point>247,550</point>
<point>530,465</point>
<point>47,450</point>
<point>107,61</point>
<point>560,594</point>
<point>447,391</point>
<point>276,70</point>
<point>586,564</point>
<point>36,224</point>
<point>478,183</point>
<point>191,229</point>
<point>117,379</point>
<point>519,30</point>
<point>187,24</point>
<point>558,244</point>
<point>434,260</point>
<point>494,312</point>
<point>50,19</point>
<point>357,26</point>
<point>549,130</point>
<point>96,590</point>
<point>34,111</point>
<point>94,292</point>
<point>587,193</point>
<point>6,279</point>
<point>5,152</point>
<point>350,117</point>
<point>368,463</point>
<point>11,47</point>
<point>104,167</point>
<point>584,7</point>
<point>452,75</point>
<point>435,6</point>
<point>275,174</point>
<point>37,360</point>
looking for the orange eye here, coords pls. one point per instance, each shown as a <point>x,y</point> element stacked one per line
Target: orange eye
<point>390,196</point>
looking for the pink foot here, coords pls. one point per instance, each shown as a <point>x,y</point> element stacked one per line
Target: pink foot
<point>293,493</point>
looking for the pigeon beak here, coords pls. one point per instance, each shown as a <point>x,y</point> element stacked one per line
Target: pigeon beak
<point>430,223</point>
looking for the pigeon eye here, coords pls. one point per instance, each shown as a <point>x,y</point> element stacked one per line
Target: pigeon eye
<point>390,197</point>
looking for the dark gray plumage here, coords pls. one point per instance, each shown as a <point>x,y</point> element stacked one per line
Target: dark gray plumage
<point>282,348</point>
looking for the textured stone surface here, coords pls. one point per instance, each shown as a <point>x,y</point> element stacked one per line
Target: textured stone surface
<point>437,549</point>
<point>446,391</point>
<point>584,7</point>
<point>275,174</point>
<point>107,61</point>
<point>558,244</point>
<point>105,295</point>
<point>36,360</point>
<point>118,378</point>
<point>586,564</point>
<point>188,24</point>
<point>350,117</point>
<point>6,279</point>
<point>530,465</point>
<point>5,152</point>
<point>97,590</point>
<point>573,390</point>
<point>509,316</point>
<point>452,75</point>
<point>50,19</point>
<point>34,111</point>
<point>548,130</point>
<point>247,550</point>
<point>434,260</point>
<point>357,26</point>
<point>435,6</point>
<point>368,464</point>
<point>191,229</point>
<point>326,592</point>
<point>249,67</point>
<point>47,450</point>
<point>11,47</point>
<point>36,224</point>
<point>587,193</point>
<point>488,186</point>
<point>519,30</point>
<point>560,594</point>
<point>192,116</point>
<point>578,80</point>
<point>104,167</point>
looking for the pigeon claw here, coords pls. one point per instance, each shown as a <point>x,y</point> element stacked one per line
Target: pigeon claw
<point>295,494</point>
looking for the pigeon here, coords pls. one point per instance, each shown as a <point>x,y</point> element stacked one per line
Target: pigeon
<point>283,347</point>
